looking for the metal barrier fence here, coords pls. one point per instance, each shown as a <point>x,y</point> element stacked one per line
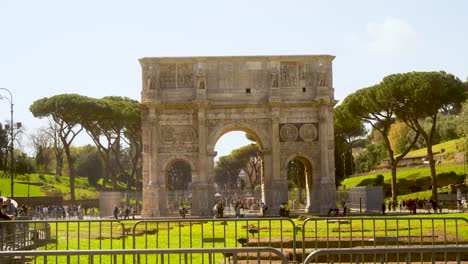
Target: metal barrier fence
<point>212,233</point>
<point>294,238</point>
<point>390,254</point>
<point>62,234</point>
<point>372,232</point>
<point>183,255</point>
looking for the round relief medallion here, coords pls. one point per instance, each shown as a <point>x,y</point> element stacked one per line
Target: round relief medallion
<point>168,134</point>
<point>289,132</point>
<point>187,134</point>
<point>308,132</point>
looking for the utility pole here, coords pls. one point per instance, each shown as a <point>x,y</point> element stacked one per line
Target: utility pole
<point>11,138</point>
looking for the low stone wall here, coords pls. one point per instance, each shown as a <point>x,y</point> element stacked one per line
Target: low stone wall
<point>35,201</point>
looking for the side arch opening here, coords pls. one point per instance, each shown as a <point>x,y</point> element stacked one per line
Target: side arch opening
<point>299,172</point>
<point>179,184</point>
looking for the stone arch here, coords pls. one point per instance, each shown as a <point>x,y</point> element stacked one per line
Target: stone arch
<point>277,99</point>
<point>170,160</point>
<point>247,127</point>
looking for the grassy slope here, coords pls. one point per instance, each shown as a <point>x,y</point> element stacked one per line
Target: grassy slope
<point>410,174</point>
<point>82,191</point>
<point>450,147</point>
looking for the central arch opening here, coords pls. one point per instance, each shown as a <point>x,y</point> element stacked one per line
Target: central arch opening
<point>238,172</point>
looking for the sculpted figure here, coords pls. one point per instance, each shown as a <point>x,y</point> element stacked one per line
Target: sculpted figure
<point>149,79</point>
<point>201,81</point>
<point>322,76</point>
<point>274,79</point>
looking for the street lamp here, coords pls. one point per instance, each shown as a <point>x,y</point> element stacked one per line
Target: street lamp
<point>11,136</point>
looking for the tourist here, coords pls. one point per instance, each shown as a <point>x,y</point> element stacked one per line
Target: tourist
<point>11,210</point>
<point>182,211</point>
<point>237,210</point>
<point>281,210</point>
<point>215,210</point>
<point>121,212</point>
<point>10,227</point>
<point>116,212</point>
<point>127,213</point>
<point>287,208</point>
<point>132,212</point>
<point>264,209</point>
<point>3,212</point>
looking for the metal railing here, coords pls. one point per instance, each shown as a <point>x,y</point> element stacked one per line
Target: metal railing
<point>293,238</point>
<point>184,255</point>
<point>63,234</point>
<point>210,233</point>
<point>389,254</point>
<point>372,232</point>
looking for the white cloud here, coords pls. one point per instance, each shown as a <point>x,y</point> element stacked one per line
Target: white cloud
<point>394,35</point>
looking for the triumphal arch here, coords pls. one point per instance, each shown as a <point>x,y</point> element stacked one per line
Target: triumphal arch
<point>285,102</point>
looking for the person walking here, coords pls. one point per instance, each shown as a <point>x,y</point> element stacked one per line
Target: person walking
<point>264,209</point>
<point>287,208</point>
<point>182,211</point>
<point>116,212</point>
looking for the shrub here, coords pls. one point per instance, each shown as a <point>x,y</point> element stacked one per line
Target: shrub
<point>42,177</point>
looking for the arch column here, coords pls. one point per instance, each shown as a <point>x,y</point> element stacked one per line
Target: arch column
<point>279,181</point>
<point>327,181</point>
<point>203,190</point>
<point>152,187</point>
<point>202,182</point>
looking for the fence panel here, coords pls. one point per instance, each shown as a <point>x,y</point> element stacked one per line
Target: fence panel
<point>455,254</point>
<point>222,232</point>
<point>372,232</point>
<point>130,256</point>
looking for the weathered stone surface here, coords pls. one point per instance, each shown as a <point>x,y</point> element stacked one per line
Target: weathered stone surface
<point>285,102</point>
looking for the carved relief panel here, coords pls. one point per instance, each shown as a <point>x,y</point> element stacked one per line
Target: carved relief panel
<point>298,132</point>
<point>288,73</point>
<point>316,74</point>
<point>178,134</point>
<point>167,76</point>
<point>174,75</point>
<point>184,75</point>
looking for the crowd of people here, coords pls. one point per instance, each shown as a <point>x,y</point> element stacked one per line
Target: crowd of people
<point>124,212</point>
<point>43,212</point>
<point>412,205</point>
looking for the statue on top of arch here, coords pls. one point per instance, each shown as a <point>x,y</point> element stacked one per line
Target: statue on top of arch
<point>201,79</point>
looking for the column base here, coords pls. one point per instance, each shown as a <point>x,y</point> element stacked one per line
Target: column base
<point>202,199</point>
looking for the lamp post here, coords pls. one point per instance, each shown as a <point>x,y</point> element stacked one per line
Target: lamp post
<point>11,136</point>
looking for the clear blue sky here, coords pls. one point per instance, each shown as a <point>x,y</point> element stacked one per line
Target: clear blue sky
<point>92,47</point>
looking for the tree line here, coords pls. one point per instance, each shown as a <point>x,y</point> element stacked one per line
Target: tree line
<point>114,125</point>
<point>403,111</point>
